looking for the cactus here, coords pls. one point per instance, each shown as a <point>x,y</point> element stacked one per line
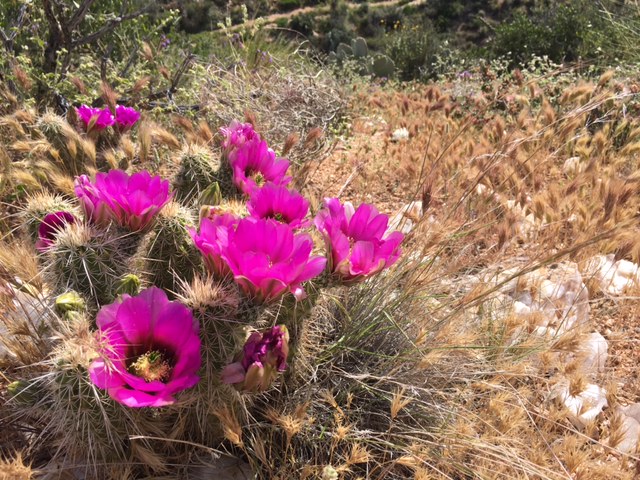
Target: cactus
<point>382,66</point>
<point>39,206</point>
<point>359,47</point>
<point>379,65</point>
<point>343,51</point>
<point>168,252</point>
<point>87,261</point>
<point>198,170</point>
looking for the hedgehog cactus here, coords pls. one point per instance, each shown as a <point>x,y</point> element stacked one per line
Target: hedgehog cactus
<point>198,170</point>
<point>38,207</point>
<point>169,255</point>
<point>86,260</point>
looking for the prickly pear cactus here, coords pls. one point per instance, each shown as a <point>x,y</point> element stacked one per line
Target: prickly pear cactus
<point>359,47</point>
<point>382,66</point>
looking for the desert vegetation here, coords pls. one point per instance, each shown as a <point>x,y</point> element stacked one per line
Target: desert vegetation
<point>386,251</point>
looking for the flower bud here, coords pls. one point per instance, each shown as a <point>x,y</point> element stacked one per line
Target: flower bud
<point>129,284</point>
<point>69,302</point>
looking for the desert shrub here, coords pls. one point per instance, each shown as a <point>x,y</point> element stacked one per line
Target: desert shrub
<point>288,5</point>
<point>302,23</point>
<point>564,32</point>
<point>414,50</point>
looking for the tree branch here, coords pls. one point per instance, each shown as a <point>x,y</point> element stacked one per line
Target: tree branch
<point>109,27</point>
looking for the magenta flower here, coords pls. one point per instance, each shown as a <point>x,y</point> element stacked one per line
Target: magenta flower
<point>95,118</point>
<point>255,164</point>
<point>281,204</point>
<point>131,201</point>
<point>267,259</point>
<point>51,225</point>
<point>213,240</point>
<point>358,241</point>
<point>126,117</point>
<point>237,134</point>
<point>151,350</point>
<point>263,356</point>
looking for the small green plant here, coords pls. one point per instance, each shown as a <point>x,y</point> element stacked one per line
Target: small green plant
<point>357,56</point>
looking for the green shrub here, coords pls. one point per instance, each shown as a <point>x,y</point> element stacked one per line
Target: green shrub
<point>414,50</point>
<point>288,5</point>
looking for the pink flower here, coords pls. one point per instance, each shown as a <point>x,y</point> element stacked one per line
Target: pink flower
<point>237,134</point>
<point>255,164</point>
<point>131,201</point>
<point>267,259</point>
<point>51,225</point>
<point>95,118</point>
<point>213,240</point>
<point>126,117</point>
<point>358,241</point>
<point>263,356</point>
<point>279,203</point>
<point>151,351</point>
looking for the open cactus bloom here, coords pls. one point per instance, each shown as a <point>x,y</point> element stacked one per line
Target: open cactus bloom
<point>267,259</point>
<point>126,117</point>
<point>236,135</point>
<point>151,349</point>
<point>213,240</point>
<point>51,225</point>
<point>130,201</point>
<point>264,355</point>
<point>281,204</point>
<point>254,164</point>
<point>358,241</point>
<point>95,118</point>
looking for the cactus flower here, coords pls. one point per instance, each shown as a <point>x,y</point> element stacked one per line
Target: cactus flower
<point>254,164</point>
<point>236,135</point>
<point>263,356</point>
<point>131,201</point>
<point>126,117</point>
<point>50,226</point>
<point>213,239</point>
<point>281,204</point>
<point>95,118</point>
<point>151,349</point>
<point>358,241</point>
<point>267,259</point>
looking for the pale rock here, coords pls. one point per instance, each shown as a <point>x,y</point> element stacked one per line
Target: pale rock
<point>555,297</point>
<point>406,218</point>
<point>583,407</point>
<point>572,166</point>
<point>630,428</point>
<point>594,352</point>
<point>401,134</point>
<point>613,277</point>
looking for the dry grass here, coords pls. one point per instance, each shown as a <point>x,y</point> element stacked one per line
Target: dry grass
<point>427,371</point>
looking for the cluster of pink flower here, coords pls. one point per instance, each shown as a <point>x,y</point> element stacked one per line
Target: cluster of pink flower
<point>153,344</point>
<point>97,119</point>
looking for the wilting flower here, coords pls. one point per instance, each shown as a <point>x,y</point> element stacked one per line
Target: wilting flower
<point>255,164</point>
<point>263,356</point>
<point>267,259</point>
<point>213,240</point>
<point>95,118</point>
<point>279,203</point>
<point>357,240</point>
<point>151,349</point>
<point>50,226</point>
<point>131,201</point>
<point>237,134</point>
<point>126,117</point>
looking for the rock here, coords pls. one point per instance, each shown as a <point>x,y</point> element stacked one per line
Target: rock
<point>406,218</point>
<point>556,298</point>
<point>583,407</point>
<point>630,429</point>
<point>613,277</point>
<point>400,135</point>
<point>594,352</point>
